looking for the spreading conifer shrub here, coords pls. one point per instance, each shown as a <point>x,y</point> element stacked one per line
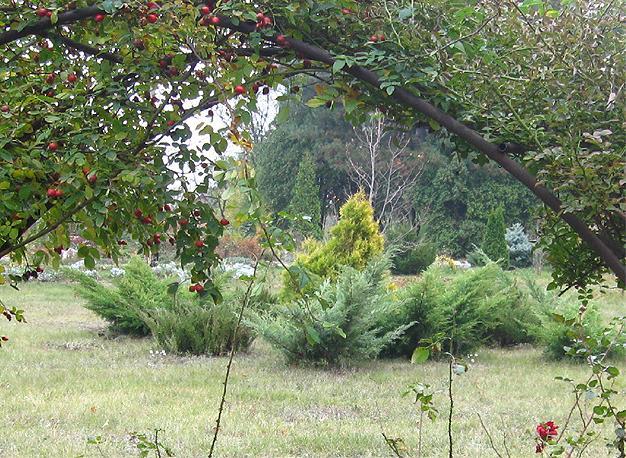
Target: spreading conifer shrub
<point>473,307</point>
<point>138,303</point>
<point>338,323</point>
<point>121,303</point>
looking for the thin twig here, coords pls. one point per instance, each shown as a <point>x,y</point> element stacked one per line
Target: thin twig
<point>493,447</point>
<point>245,302</point>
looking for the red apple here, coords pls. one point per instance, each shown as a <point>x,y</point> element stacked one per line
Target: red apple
<point>71,78</point>
<point>239,89</point>
<point>92,178</point>
<point>374,38</point>
<point>381,38</point>
<point>50,78</point>
<point>215,20</point>
<point>4,108</point>
<point>99,17</point>
<point>199,288</point>
<point>205,10</point>
<point>146,220</point>
<point>42,12</point>
<point>53,146</point>
<point>224,222</point>
<point>192,288</point>
<point>152,18</point>
<point>167,208</point>
<point>199,243</point>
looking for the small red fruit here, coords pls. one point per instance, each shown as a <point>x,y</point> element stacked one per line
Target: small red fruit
<point>224,222</point>
<point>42,12</point>
<point>146,220</point>
<point>71,78</point>
<point>138,213</point>
<point>381,38</point>
<point>192,288</point>
<point>205,10</point>
<point>167,208</point>
<point>4,108</point>
<point>99,17</point>
<point>374,38</point>
<point>170,123</point>
<point>239,89</point>
<point>199,288</point>
<point>53,146</point>
<point>149,242</point>
<point>92,178</point>
<point>86,170</point>
<point>152,18</point>
<point>184,222</point>
<point>215,20</point>
<point>199,243</point>
<point>50,78</point>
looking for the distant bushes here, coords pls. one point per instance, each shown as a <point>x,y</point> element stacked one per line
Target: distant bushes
<point>138,303</point>
<point>410,256</point>
<point>341,322</point>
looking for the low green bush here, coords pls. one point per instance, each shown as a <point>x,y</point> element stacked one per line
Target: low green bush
<point>473,307</point>
<point>339,323</point>
<point>121,303</point>
<point>566,333</point>
<point>409,254</point>
<point>198,327</point>
<point>138,303</point>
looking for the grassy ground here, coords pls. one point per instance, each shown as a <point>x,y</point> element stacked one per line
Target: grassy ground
<point>63,382</point>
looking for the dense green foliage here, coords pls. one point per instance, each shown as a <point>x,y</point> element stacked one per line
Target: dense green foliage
<point>322,134</point>
<point>353,242</point>
<point>453,197</point>
<point>197,327</point>
<point>339,324</point>
<point>137,290</point>
<point>138,303</point>
<point>410,255</point>
<point>471,308</point>
<point>305,204</point>
<point>494,239</point>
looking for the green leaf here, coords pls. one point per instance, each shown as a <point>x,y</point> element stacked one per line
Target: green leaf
<point>420,355</point>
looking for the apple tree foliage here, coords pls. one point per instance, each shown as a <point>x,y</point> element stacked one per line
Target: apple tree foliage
<point>95,99</point>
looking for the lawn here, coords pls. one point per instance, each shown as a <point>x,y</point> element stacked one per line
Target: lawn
<point>63,381</point>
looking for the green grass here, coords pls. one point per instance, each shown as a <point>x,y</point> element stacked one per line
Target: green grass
<point>63,381</point>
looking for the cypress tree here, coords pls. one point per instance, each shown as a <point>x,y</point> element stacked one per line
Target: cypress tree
<point>494,240</point>
<point>305,203</point>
